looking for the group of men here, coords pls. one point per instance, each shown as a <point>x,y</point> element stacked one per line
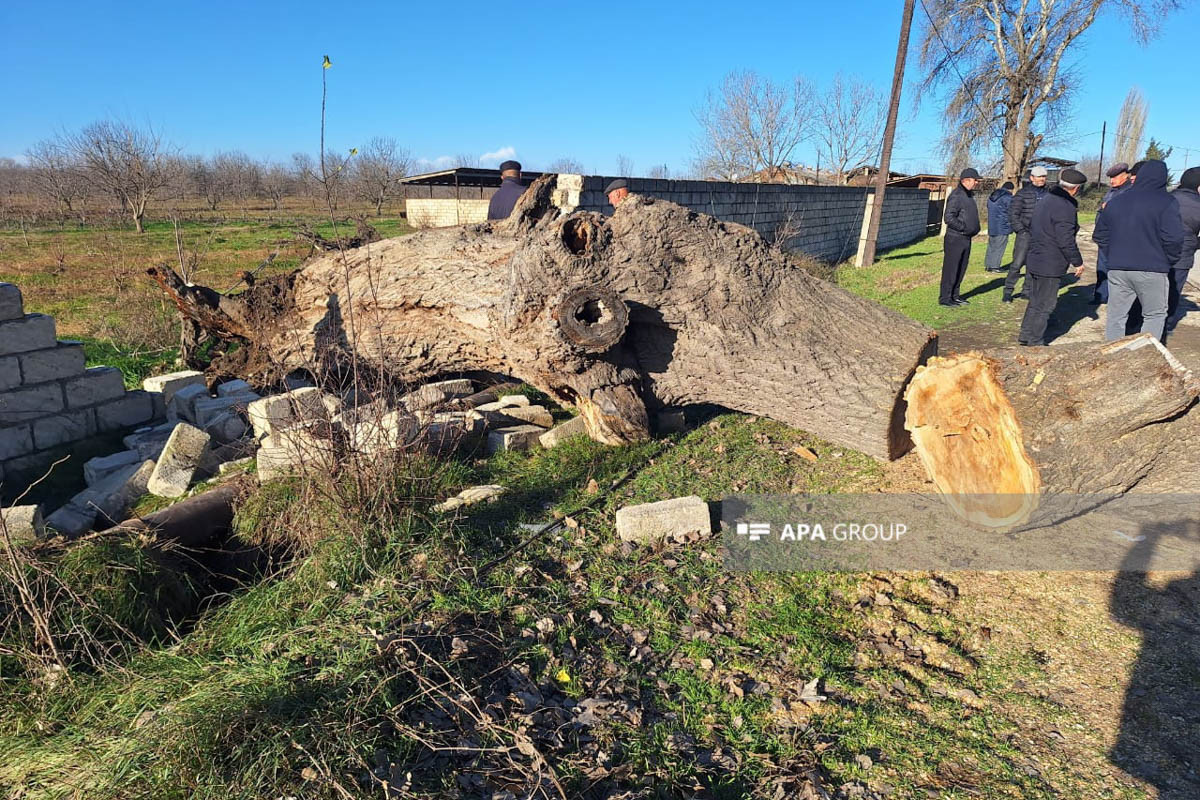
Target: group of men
<point>505,199</point>
<point>1147,238</point>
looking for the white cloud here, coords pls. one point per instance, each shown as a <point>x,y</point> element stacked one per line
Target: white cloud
<point>503,154</point>
<point>435,164</point>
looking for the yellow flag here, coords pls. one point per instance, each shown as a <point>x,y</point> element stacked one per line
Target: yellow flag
<point>326,64</point>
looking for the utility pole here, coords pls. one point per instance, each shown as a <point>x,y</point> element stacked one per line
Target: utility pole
<point>866,250</point>
<point>1100,169</point>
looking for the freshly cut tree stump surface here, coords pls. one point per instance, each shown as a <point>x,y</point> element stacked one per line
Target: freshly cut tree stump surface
<point>998,432</point>
<point>657,305</point>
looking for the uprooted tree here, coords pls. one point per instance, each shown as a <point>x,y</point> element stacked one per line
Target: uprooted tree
<point>655,306</point>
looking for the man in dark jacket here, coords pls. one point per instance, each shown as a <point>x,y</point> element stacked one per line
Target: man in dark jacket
<point>1189,212</point>
<point>1141,236</point>
<point>1020,214</point>
<point>1119,180</point>
<point>509,193</point>
<point>1052,249</point>
<point>962,222</point>
<point>998,227</point>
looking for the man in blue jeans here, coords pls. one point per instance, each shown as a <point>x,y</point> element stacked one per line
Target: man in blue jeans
<point>1140,234</point>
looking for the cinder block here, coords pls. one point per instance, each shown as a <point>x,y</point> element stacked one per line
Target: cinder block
<point>648,522</point>
<point>67,426</point>
<point>515,415</point>
<point>22,524</point>
<point>555,436</point>
<point>236,387</point>
<point>149,442</point>
<point>72,520</point>
<point>183,401</point>
<point>15,442</point>
<point>279,411</point>
<point>520,437</point>
<point>135,408</point>
<point>99,468</point>
<point>431,394</point>
<point>113,496</point>
<point>206,409</point>
<point>10,302</point>
<point>63,361</point>
<point>96,385</point>
<point>31,332</point>
<point>10,373</point>
<point>226,427</point>
<point>181,456</point>
<point>167,385</point>
<point>27,404</point>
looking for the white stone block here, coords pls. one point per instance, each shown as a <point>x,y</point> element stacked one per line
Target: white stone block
<point>282,410</point>
<point>72,520</point>
<point>235,387</point>
<point>168,385</point>
<point>378,432</point>
<point>679,516</point>
<point>575,426</point>
<point>100,468</point>
<point>66,426</point>
<point>521,437</point>
<point>181,457</point>
<point>134,408</point>
<point>206,409</point>
<point>432,394</point>
<point>226,427</point>
<point>22,524</point>
<point>25,405</point>
<point>32,332</point>
<point>10,302</point>
<point>149,442</point>
<point>63,361</point>
<point>113,496</point>
<point>514,415</point>
<point>183,402</point>
<point>96,385</point>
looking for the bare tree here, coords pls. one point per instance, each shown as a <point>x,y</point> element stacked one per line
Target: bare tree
<point>277,183</point>
<point>568,165</point>
<point>624,165</point>
<point>1131,124</point>
<point>848,124</point>
<point>57,176</point>
<point>127,162</point>
<point>751,125</point>
<point>378,169</point>
<point>1005,66</point>
<point>661,171</point>
<point>466,160</point>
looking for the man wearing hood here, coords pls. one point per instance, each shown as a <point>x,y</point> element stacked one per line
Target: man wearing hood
<point>1140,234</point>
<point>1119,180</point>
<point>1188,197</point>
<point>1052,249</point>
<point>999,227</point>
<point>962,222</point>
<point>1020,214</point>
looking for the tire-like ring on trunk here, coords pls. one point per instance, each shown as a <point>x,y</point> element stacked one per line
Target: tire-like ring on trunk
<point>592,318</point>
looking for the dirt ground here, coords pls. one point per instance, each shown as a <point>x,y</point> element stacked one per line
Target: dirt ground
<point>1120,652</point>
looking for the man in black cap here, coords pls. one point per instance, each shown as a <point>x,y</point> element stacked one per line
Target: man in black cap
<point>1118,175</point>
<point>1189,212</point>
<point>962,222</point>
<point>1141,235</point>
<point>1052,249</point>
<point>617,190</point>
<point>509,193</point>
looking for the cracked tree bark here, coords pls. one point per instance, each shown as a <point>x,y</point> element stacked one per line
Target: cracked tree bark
<point>655,306</point>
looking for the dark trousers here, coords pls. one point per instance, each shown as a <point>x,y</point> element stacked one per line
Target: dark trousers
<point>956,253</point>
<point>1043,295</point>
<point>1175,290</point>
<point>1020,251</point>
<point>1100,293</point>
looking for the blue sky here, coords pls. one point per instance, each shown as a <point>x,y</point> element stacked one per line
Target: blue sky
<point>537,80</point>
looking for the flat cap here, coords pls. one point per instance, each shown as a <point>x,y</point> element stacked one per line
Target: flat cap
<point>1117,168</point>
<point>1190,178</point>
<point>619,183</point>
<point>969,172</point>
<point>505,166</point>
<point>1072,177</point>
<point>1039,172</point>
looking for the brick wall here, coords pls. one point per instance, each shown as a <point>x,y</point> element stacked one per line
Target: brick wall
<point>48,398</point>
<point>436,212</point>
<point>826,220</point>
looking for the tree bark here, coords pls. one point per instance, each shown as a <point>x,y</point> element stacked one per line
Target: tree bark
<point>655,306</point>
<point>1000,432</point>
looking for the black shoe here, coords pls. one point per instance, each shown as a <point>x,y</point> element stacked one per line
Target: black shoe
<point>1095,301</point>
<point>958,301</point>
<point>1021,296</point>
<point>997,269</point>
<point>950,304</point>
<point>1006,298</point>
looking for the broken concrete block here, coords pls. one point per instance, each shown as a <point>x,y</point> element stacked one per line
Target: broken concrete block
<point>95,385</point>
<point>371,432</point>
<point>679,516</point>
<point>11,306</point>
<point>22,524</point>
<point>219,455</point>
<point>274,462</point>
<point>183,402</point>
<point>507,401</point>
<point>206,409</point>
<point>63,361</point>
<point>471,496</point>
<point>149,442</point>
<point>72,520</point>
<point>226,427</point>
<point>533,415</point>
<point>134,408</point>
<point>181,457</point>
<point>432,394</point>
<point>282,410</point>
<point>113,496</point>
<point>230,388</point>
<point>97,469</point>
<point>236,464</point>
<point>31,332</point>
<point>575,426</point>
<point>168,385</point>
<point>521,437</point>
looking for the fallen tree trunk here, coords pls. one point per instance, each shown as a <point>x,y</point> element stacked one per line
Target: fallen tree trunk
<point>655,306</point>
<point>1000,432</point>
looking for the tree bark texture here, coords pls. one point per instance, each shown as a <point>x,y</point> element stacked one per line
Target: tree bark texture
<point>655,306</point>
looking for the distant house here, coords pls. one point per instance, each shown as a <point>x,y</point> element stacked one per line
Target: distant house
<point>789,174</point>
<point>865,174</point>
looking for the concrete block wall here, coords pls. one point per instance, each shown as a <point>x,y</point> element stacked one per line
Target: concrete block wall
<point>435,212</point>
<point>827,220</point>
<point>48,398</point>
